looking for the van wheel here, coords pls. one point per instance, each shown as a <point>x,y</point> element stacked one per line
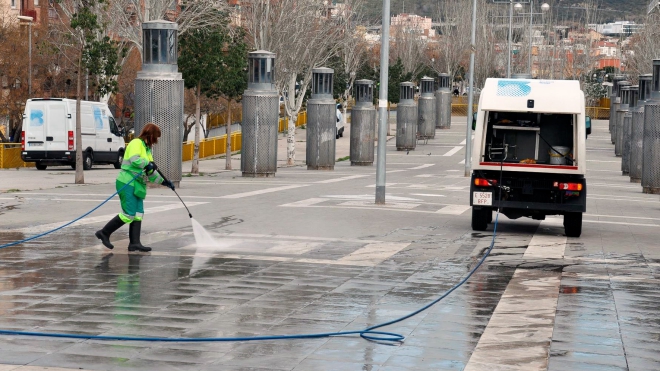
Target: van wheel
<point>88,160</point>
<point>120,159</point>
<point>573,224</point>
<point>41,166</point>
<point>480,218</point>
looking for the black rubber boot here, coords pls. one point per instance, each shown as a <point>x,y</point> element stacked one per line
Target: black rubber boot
<point>104,234</point>
<point>134,236</point>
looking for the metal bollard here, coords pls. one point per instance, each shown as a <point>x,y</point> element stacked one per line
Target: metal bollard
<point>261,109</point>
<point>406,118</point>
<point>637,128</point>
<point>614,104</point>
<point>651,149</point>
<point>443,102</point>
<point>624,93</point>
<point>627,130</point>
<point>426,110</point>
<point>321,122</point>
<point>159,92</point>
<point>363,124</point>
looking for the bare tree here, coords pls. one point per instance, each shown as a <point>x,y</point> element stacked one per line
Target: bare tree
<point>455,20</point>
<point>644,47</point>
<point>304,35</point>
<point>352,47</point>
<point>409,48</point>
<point>124,18</point>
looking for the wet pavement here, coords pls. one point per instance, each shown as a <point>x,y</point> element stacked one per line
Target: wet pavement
<point>309,252</point>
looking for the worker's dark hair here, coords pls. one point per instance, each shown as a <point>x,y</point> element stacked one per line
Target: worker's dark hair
<point>150,134</point>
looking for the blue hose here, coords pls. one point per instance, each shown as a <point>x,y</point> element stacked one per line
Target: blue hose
<point>368,333</point>
<point>73,221</point>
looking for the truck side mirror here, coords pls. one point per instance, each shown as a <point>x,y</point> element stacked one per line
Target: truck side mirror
<point>474,121</point>
<point>587,125</point>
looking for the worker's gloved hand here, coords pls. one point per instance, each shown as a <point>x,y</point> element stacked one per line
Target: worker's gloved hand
<point>168,184</point>
<point>150,168</point>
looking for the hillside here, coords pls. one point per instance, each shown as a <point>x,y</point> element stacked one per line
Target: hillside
<point>610,10</point>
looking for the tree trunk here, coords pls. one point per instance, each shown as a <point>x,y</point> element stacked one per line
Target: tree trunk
<point>228,132</point>
<point>80,176</point>
<point>195,163</point>
<point>291,140</point>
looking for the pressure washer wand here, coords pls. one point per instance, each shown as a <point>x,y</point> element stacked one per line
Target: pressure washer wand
<point>184,204</point>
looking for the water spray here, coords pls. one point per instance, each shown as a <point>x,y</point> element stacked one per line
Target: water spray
<point>184,204</point>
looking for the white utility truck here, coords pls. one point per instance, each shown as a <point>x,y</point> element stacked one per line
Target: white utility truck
<point>49,134</point>
<point>529,143</point>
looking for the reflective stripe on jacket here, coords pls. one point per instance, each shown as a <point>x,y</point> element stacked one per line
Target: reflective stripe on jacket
<point>136,157</point>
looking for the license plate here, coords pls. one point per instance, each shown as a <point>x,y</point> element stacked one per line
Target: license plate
<point>482,198</point>
<point>35,144</point>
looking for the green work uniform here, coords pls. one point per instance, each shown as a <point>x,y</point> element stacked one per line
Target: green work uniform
<point>136,157</point>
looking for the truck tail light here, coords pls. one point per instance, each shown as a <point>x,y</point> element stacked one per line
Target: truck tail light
<point>481,182</point>
<point>22,141</point>
<point>568,186</point>
<point>70,137</point>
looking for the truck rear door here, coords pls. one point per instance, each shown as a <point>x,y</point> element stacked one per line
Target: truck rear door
<point>56,126</point>
<point>35,126</point>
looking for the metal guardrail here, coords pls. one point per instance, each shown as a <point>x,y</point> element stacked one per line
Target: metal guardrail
<point>10,156</point>
<point>302,120</point>
<point>211,146</point>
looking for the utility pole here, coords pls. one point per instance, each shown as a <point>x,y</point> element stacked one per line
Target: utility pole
<point>382,103</point>
<point>468,129</point>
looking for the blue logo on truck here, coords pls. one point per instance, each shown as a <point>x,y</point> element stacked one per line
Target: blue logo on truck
<point>98,119</point>
<point>513,88</point>
<point>36,117</point>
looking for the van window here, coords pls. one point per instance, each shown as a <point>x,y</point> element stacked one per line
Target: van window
<point>113,127</point>
<point>529,138</point>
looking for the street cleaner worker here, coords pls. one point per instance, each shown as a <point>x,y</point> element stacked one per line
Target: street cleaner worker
<point>137,160</point>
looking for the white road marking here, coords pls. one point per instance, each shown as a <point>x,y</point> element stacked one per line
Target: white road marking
<point>548,246</point>
<point>263,191</point>
<point>371,197</point>
<point>421,167</point>
<point>335,180</point>
<point>103,218</point>
<point>453,209</point>
<point>392,205</point>
<point>453,151</point>
<point>621,223</point>
<point>426,194</point>
<point>620,216</point>
<point>307,202</point>
<point>374,253</point>
<point>462,162</point>
<point>523,320</point>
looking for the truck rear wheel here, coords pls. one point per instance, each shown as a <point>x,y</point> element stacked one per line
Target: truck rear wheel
<point>88,160</point>
<point>41,166</point>
<point>573,224</point>
<point>480,218</point>
<point>120,159</point>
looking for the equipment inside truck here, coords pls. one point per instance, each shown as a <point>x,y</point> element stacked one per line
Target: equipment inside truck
<point>529,138</point>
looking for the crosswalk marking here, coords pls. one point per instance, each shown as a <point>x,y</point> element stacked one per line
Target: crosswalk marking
<point>335,180</point>
<point>307,202</point>
<point>453,209</point>
<point>262,191</point>
<point>421,166</point>
<point>453,151</point>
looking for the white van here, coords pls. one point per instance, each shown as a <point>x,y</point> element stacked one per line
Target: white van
<point>49,137</point>
<point>529,149</point>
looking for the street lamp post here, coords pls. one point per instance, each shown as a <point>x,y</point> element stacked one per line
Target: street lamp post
<point>29,20</point>
<point>544,8</point>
